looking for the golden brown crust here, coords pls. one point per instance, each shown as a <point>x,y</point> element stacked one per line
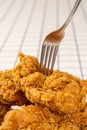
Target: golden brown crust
<point>62,98</point>
<point>83,95</point>
<point>30,117</point>
<point>3,111</point>
<point>79,118</point>
<point>10,93</point>
<point>84,128</point>
<point>60,91</point>
<point>35,118</point>
<point>68,126</point>
<point>10,89</point>
<point>26,66</point>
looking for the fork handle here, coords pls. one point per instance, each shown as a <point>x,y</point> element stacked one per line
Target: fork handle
<point>71,15</point>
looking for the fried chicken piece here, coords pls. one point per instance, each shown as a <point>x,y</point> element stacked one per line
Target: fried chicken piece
<point>30,118</point>
<point>59,91</point>
<point>35,118</point>
<point>10,92</point>
<point>3,111</point>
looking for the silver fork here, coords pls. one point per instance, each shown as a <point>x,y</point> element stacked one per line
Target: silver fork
<point>51,44</point>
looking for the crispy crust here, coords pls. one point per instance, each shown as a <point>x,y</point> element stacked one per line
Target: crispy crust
<point>60,91</point>
<point>3,111</point>
<point>68,126</point>
<point>30,117</point>
<point>10,92</point>
<point>10,89</point>
<point>36,118</point>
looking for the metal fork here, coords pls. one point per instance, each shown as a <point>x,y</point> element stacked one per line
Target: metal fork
<point>51,44</point>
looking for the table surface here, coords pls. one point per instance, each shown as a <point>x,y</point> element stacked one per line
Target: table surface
<point>25,23</point>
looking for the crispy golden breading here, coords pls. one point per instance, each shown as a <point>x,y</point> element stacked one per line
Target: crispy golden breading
<point>83,95</point>
<point>35,80</point>
<point>60,99</point>
<point>68,126</point>
<point>10,92</point>
<point>1,72</point>
<point>35,118</point>
<point>79,118</point>
<point>27,65</point>
<point>3,111</point>
<point>59,91</point>
<point>30,118</point>
<point>84,128</point>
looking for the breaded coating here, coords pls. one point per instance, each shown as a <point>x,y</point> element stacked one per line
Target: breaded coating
<point>83,95</point>
<point>35,118</point>
<point>30,118</point>
<point>3,111</point>
<point>1,72</point>
<point>10,92</point>
<point>59,91</point>
<point>79,118</point>
<point>35,80</point>
<point>84,128</point>
<point>26,66</point>
<point>10,89</point>
<point>59,99</point>
<point>68,126</point>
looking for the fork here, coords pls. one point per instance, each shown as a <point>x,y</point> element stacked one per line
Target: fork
<point>51,44</point>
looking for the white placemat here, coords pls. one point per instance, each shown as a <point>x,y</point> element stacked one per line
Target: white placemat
<point>25,23</point>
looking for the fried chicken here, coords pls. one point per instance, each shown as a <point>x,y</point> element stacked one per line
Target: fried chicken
<point>59,91</point>
<point>10,92</point>
<point>3,111</point>
<point>59,99</point>
<point>30,118</point>
<point>35,118</point>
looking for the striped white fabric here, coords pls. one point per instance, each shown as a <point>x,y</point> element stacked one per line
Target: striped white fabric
<point>25,23</point>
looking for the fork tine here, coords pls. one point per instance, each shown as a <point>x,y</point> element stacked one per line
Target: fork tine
<point>42,56</point>
<point>50,57</point>
<point>46,56</point>
<point>54,57</point>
